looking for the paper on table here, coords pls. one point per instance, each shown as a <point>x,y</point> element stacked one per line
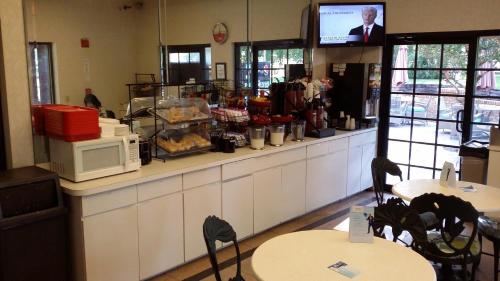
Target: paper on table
<point>342,268</point>
<point>468,188</point>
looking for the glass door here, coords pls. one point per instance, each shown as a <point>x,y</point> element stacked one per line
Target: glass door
<point>441,95</point>
<point>428,88</point>
<point>485,109</point>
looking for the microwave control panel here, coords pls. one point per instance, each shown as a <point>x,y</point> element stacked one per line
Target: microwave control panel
<point>134,149</point>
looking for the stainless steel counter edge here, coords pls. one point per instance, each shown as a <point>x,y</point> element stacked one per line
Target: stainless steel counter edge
<point>158,169</point>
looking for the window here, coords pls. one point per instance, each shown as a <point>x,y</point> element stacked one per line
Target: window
<point>42,81</point>
<point>243,66</point>
<point>264,62</point>
<point>442,91</point>
<point>189,61</point>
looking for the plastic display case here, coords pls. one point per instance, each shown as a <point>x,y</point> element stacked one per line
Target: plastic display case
<point>184,110</point>
<point>177,142</point>
<point>184,126</point>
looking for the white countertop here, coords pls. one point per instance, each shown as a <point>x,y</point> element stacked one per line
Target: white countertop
<point>158,169</point>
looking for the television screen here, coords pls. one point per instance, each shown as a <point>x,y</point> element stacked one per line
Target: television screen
<point>352,24</point>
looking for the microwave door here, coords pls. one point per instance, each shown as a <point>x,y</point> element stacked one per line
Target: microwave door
<point>101,157</point>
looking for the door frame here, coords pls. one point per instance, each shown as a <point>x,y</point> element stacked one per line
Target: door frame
<point>3,155</point>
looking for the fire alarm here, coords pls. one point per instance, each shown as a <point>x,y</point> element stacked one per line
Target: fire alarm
<point>84,43</point>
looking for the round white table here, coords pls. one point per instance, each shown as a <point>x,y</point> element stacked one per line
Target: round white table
<point>484,199</point>
<point>306,255</point>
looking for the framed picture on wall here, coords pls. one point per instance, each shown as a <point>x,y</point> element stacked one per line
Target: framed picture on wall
<point>220,71</point>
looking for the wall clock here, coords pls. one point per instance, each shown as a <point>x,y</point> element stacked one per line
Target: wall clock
<point>219,32</point>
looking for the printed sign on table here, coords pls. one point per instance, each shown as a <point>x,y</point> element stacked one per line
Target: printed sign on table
<point>360,224</point>
<point>447,177</point>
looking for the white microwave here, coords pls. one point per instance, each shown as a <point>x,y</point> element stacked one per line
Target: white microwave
<point>90,159</point>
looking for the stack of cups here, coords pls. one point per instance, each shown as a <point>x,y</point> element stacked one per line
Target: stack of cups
<point>352,124</point>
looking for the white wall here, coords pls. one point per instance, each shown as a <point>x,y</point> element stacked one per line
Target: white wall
<point>191,22</point>
<point>122,42</point>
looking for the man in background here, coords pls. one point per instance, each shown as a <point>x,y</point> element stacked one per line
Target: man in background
<point>369,32</point>
<point>92,101</point>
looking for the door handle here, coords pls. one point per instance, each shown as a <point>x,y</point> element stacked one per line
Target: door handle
<point>459,128</point>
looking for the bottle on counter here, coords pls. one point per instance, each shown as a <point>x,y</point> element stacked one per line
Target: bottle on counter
<point>299,98</point>
<point>290,100</point>
<point>352,124</point>
<point>311,119</point>
<point>319,117</point>
<point>347,122</point>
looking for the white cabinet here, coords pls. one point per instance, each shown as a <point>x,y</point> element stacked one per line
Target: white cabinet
<point>237,205</point>
<point>354,169</point>
<point>326,179</point>
<point>369,152</point>
<point>111,245</point>
<point>293,179</point>
<point>161,234</point>
<point>318,182</point>
<point>362,149</point>
<point>199,203</point>
<point>338,174</point>
<point>267,199</point>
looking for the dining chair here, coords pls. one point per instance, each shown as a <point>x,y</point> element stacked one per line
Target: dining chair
<point>399,217</point>
<point>455,242</point>
<point>216,229</point>
<point>380,167</point>
<point>490,229</point>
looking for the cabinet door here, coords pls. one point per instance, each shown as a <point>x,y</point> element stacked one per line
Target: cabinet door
<point>338,174</point>
<point>354,169</point>
<point>111,247</point>
<point>366,173</point>
<point>237,205</point>
<point>199,203</point>
<point>293,178</point>
<point>319,182</point>
<point>267,199</point>
<point>161,234</point>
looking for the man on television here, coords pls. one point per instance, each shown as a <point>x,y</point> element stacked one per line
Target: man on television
<point>369,32</point>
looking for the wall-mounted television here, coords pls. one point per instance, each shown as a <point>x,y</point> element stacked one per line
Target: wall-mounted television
<point>351,24</point>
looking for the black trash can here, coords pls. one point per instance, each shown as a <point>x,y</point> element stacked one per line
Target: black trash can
<point>33,232</point>
<point>474,161</point>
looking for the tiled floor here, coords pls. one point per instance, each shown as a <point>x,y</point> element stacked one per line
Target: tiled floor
<point>324,218</point>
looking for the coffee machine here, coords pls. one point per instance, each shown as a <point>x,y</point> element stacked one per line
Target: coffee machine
<point>356,91</point>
